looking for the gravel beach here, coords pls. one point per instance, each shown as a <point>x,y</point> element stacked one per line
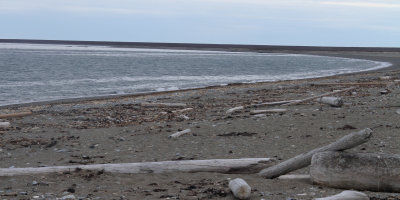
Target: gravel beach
<point>123,130</point>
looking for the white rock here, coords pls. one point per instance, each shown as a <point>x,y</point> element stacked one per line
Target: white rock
<point>4,124</point>
<point>71,196</point>
<point>240,188</point>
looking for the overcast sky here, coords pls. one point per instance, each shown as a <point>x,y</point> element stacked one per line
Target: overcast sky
<point>270,22</point>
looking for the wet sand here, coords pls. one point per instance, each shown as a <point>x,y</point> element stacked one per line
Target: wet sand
<point>120,130</point>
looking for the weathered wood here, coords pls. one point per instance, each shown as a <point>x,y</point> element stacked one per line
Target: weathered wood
<point>177,134</point>
<point>163,105</point>
<point>319,96</point>
<point>12,115</point>
<point>275,103</point>
<point>237,166</point>
<point>240,188</point>
<point>183,110</point>
<point>360,171</point>
<point>346,195</point>
<point>256,112</point>
<point>295,177</point>
<point>303,160</point>
<point>333,101</point>
<point>354,84</point>
<point>234,109</point>
<point>5,124</point>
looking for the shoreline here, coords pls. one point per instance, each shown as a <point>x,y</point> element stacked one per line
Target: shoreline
<point>366,55</point>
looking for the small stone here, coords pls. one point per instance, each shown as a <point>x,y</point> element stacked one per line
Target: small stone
<point>35,183</point>
<point>23,193</point>
<point>386,91</point>
<point>398,111</point>
<point>184,117</point>
<point>71,196</point>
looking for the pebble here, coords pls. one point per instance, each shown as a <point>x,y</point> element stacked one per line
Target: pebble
<point>398,111</point>
<point>5,124</point>
<point>184,117</point>
<point>71,196</point>
<point>386,91</point>
<point>35,183</point>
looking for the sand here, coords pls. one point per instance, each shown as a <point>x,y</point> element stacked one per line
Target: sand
<point>120,130</point>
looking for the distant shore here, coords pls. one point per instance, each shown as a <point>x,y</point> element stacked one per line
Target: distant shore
<point>197,46</point>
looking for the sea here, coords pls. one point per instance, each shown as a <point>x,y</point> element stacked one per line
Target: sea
<point>39,72</point>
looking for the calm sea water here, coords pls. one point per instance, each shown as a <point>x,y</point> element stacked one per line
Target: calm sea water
<point>31,73</point>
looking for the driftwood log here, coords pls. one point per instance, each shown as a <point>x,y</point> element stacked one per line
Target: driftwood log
<point>179,105</point>
<point>360,171</point>
<point>346,195</point>
<point>182,110</point>
<point>240,188</point>
<point>319,96</point>
<point>256,112</point>
<point>303,160</point>
<point>12,115</point>
<point>275,103</point>
<point>354,84</point>
<point>295,177</point>
<point>237,166</point>
<point>177,134</point>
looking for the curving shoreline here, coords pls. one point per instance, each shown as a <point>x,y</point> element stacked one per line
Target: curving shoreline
<point>383,57</point>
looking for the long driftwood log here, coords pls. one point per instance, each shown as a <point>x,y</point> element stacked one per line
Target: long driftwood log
<point>179,105</point>
<point>256,112</point>
<point>354,84</point>
<point>275,103</point>
<point>303,160</point>
<point>12,115</point>
<point>319,96</point>
<point>237,166</point>
<point>360,171</point>
<point>346,195</point>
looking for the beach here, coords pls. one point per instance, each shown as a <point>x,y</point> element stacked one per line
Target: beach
<point>120,129</point>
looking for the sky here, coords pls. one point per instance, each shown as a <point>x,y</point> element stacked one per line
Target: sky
<point>360,23</point>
